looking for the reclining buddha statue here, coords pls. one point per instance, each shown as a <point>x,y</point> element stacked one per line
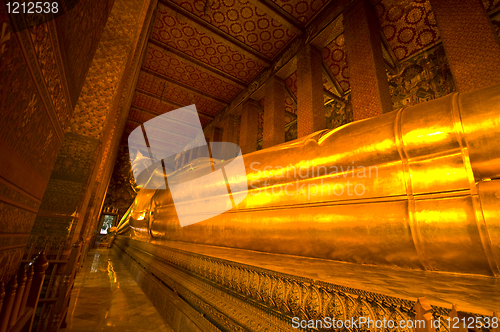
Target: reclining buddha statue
<point>417,188</point>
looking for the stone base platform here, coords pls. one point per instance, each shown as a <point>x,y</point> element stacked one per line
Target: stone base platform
<point>205,288</point>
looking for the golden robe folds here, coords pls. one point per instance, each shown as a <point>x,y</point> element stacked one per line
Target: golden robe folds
<point>417,188</point>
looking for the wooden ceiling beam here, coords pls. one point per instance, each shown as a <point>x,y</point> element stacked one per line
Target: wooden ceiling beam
<point>185,86</point>
<point>205,66</point>
<point>331,95</point>
<point>172,103</point>
<point>212,30</point>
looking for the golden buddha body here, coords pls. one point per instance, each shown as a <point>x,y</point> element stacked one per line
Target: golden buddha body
<point>416,188</point>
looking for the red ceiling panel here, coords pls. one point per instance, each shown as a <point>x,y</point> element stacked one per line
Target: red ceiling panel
<point>334,56</point>
<point>172,92</point>
<point>181,70</point>
<point>408,27</point>
<point>180,33</point>
<point>300,9</point>
<point>244,21</point>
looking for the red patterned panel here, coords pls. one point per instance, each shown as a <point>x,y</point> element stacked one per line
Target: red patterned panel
<point>291,83</point>
<point>491,5</point>
<point>159,136</point>
<point>244,21</point>
<point>140,116</point>
<point>300,9</point>
<point>154,105</point>
<point>290,107</point>
<point>204,121</point>
<point>335,58</point>
<point>130,126</point>
<point>408,27</point>
<point>178,32</point>
<point>151,104</point>
<point>183,71</point>
<point>176,94</point>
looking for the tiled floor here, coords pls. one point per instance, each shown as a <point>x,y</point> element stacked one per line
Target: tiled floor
<point>106,298</point>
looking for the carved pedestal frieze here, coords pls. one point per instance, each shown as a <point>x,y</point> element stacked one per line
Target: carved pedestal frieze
<point>236,295</point>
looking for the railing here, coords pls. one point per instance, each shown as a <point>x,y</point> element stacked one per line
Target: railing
<point>36,301</point>
<point>19,299</point>
<point>55,318</point>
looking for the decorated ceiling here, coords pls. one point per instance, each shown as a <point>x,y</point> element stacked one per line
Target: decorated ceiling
<point>206,52</point>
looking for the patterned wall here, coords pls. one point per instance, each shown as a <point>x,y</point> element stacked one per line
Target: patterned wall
<point>51,232</point>
<point>40,79</point>
<point>81,29</point>
<point>334,57</point>
<point>339,112</point>
<point>86,145</point>
<point>423,77</point>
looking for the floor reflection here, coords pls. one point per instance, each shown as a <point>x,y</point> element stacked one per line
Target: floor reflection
<point>106,298</point>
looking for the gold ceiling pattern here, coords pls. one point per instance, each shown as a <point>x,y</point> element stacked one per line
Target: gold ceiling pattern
<point>198,42</point>
<point>244,21</point>
<point>302,10</point>
<point>291,83</point>
<point>408,26</point>
<point>334,56</point>
<point>177,69</point>
<point>166,90</point>
<point>205,52</point>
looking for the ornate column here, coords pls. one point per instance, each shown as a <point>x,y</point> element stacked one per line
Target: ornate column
<point>367,71</point>
<point>274,113</point>
<point>42,75</point>
<point>310,103</point>
<point>249,126</point>
<point>471,46</point>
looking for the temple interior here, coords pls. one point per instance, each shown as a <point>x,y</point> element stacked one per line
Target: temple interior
<point>250,165</point>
